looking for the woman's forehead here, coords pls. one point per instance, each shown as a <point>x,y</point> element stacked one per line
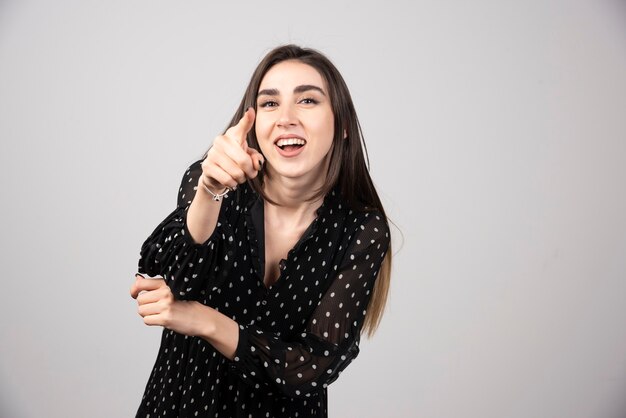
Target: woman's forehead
<point>287,75</point>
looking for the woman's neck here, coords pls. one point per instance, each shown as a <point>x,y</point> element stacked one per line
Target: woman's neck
<point>293,201</point>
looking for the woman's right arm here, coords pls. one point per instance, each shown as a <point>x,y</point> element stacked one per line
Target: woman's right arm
<point>228,163</point>
<point>184,246</point>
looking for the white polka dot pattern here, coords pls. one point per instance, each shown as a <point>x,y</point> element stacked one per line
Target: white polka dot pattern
<point>295,337</point>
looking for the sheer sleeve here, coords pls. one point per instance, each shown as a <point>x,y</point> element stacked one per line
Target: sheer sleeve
<point>171,252</point>
<point>316,357</point>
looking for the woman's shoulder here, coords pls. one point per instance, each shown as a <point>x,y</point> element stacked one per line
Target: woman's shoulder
<point>192,172</point>
<point>188,184</point>
<point>357,217</point>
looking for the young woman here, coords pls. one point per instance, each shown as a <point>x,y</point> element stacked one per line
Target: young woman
<point>276,258</point>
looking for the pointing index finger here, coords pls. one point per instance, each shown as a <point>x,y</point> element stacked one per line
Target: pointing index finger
<point>244,125</point>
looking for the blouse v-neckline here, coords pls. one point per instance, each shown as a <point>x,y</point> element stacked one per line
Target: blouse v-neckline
<point>257,216</point>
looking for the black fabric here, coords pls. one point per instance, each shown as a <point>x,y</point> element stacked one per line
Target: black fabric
<point>295,337</point>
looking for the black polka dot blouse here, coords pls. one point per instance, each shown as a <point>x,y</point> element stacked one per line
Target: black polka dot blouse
<point>295,337</point>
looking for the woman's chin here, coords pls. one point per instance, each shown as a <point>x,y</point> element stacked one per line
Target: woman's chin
<point>297,174</point>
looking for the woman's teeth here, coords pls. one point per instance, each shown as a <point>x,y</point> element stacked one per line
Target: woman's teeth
<point>290,141</point>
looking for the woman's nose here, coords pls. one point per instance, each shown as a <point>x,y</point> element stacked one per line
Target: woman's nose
<point>287,116</point>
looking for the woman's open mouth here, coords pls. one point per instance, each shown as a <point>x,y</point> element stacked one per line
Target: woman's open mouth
<point>290,147</point>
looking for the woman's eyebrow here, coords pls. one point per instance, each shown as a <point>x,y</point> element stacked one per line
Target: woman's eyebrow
<point>299,89</point>
<point>268,92</point>
<point>307,87</point>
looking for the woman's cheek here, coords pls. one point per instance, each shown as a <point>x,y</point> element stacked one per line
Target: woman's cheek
<point>263,136</point>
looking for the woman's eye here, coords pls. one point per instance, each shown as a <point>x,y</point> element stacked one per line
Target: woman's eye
<point>308,100</point>
<point>268,103</point>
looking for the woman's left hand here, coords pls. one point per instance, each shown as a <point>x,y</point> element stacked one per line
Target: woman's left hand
<point>157,306</point>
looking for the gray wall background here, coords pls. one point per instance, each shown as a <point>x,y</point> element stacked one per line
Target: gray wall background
<point>497,137</point>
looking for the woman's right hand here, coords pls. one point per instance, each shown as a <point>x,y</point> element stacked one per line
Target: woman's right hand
<point>230,161</point>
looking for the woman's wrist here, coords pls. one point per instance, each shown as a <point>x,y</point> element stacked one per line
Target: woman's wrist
<point>219,330</point>
<point>210,188</point>
<point>206,322</point>
<point>211,183</point>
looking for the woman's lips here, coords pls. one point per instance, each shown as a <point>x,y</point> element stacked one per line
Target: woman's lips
<point>290,150</point>
<point>290,146</point>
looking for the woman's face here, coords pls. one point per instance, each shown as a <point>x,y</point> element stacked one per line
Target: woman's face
<point>294,121</point>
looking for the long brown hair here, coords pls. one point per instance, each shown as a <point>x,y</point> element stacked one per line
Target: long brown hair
<point>349,164</point>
